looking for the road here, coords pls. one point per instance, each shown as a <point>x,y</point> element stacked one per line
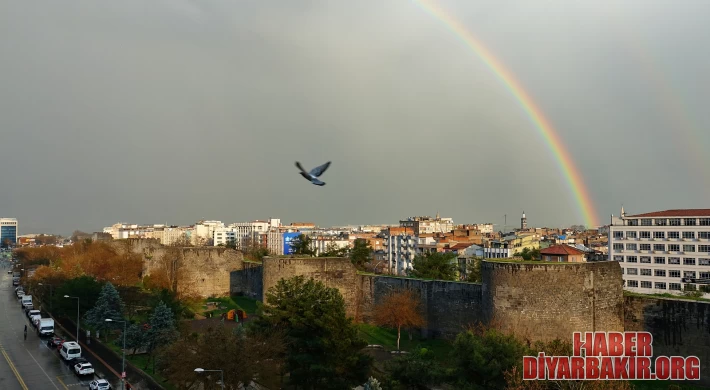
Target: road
<point>30,364</point>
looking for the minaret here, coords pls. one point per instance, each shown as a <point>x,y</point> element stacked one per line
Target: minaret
<point>523,222</point>
<point>623,213</point>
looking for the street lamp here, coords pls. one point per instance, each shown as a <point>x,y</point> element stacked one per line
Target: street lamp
<point>201,370</point>
<point>77,316</point>
<point>50,294</point>
<point>123,361</point>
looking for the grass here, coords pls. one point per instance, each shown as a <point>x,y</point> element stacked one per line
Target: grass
<point>388,339</point>
<point>226,304</point>
<point>140,361</point>
<point>666,295</point>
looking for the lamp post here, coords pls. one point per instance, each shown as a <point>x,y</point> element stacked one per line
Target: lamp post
<point>123,361</point>
<point>77,316</point>
<point>50,294</point>
<point>201,370</point>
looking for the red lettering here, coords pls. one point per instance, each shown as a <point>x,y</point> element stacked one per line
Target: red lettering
<point>541,365</point>
<point>632,368</point>
<point>599,347</point>
<point>529,368</point>
<point>692,368</point>
<point>662,368</point>
<point>643,367</point>
<point>644,340</point>
<point>563,369</point>
<point>551,366</point>
<point>677,368</point>
<point>592,368</point>
<point>577,367</point>
<point>579,345</point>
<point>607,369</point>
<point>616,344</point>
<point>629,344</point>
<point>621,368</point>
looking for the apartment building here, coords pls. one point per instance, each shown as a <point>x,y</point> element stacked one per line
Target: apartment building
<point>400,247</point>
<point>428,225</point>
<point>8,231</point>
<point>658,250</point>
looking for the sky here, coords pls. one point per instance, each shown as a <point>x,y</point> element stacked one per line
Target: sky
<point>174,111</point>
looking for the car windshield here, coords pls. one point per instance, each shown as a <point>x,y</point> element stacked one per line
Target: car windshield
<point>73,351</point>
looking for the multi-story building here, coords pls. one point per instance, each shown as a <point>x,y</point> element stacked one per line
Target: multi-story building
<point>236,232</point>
<point>657,250</point>
<point>204,232</point>
<point>428,225</point>
<point>400,248</point>
<point>8,231</point>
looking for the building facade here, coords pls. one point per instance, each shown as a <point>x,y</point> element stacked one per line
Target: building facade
<point>8,231</point>
<point>657,250</point>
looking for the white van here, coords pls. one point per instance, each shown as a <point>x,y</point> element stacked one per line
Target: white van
<point>27,300</point>
<point>70,350</point>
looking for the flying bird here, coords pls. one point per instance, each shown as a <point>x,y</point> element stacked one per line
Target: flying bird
<point>313,175</point>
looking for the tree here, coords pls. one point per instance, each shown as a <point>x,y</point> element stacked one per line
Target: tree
<point>324,349</point>
<point>528,254</point>
<point>253,249</point>
<point>242,358</point>
<point>79,236</point>
<point>86,288</point>
<point>418,370</point>
<point>162,330</point>
<point>303,245</point>
<point>6,243</point>
<point>473,273</point>
<point>360,253</point>
<point>399,309</point>
<point>372,384</point>
<point>109,305</point>
<point>333,250</point>
<point>436,265</point>
<point>135,337</point>
<point>182,241</point>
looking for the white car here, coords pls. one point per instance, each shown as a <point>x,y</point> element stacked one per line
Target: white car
<point>99,384</point>
<point>84,369</point>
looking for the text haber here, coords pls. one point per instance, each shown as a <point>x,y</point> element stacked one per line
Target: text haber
<point>612,344</point>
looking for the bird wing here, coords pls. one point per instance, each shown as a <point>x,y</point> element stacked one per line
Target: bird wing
<point>317,171</point>
<point>317,182</point>
<point>298,164</point>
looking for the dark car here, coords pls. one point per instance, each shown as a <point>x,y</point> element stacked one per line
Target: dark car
<point>55,342</point>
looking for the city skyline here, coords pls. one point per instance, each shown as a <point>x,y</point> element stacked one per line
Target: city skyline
<point>477,110</point>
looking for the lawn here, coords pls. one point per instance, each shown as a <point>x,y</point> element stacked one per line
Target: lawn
<point>225,304</point>
<point>388,339</point>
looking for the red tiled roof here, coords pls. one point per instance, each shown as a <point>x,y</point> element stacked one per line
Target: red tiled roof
<point>674,213</point>
<point>461,245</point>
<point>561,250</point>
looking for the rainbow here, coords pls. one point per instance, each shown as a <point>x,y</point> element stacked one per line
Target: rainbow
<point>552,139</point>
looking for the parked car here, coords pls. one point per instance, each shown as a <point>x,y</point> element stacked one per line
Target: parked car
<point>32,312</point>
<point>99,384</point>
<point>83,369</point>
<point>55,342</point>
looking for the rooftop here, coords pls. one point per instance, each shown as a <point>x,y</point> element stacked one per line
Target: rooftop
<point>674,213</point>
<point>561,250</point>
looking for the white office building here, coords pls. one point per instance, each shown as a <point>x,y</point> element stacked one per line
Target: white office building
<point>400,250</point>
<point>658,250</point>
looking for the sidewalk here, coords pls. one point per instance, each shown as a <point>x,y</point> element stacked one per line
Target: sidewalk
<point>137,379</point>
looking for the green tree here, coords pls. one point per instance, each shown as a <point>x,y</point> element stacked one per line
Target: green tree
<point>135,338</point>
<point>360,253</point>
<point>162,330</point>
<point>372,384</point>
<point>436,265</point>
<point>418,370</point>
<point>481,358</point>
<point>528,254</point>
<point>108,305</point>
<point>303,245</point>
<point>86,288</point>
<point>324,349</point>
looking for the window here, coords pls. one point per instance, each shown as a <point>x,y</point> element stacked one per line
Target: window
<point>659,260</point>
<point>659,247</point>
<point>618,235</point>
<point>704,275</point>
<point>618,247</point>
<point>673,248</point>
<point>704,222</point>
<point>645,284</point>
<point>645,272</point>
<point>660,272</point>
<point>674,260</point>
<point>646,259</point>
<point>705,262</point>
<point>631,271</point>
<point>632,283</point>
<point>689,261</point>
<point>674,286</point>
<point>703,248</point>
<point>674,235</point>
<point>631,234</point>
<point>646,222</point>
<point>688,248</point>
<point>659,234</point>
<point>674,222</point>
<point>674,273</point>
<point>631,247</point>
<point>660,286</point>
<point>689,235</point>
<point>559,259</point>
<point>631,259</point>
<point>690,221</point>
<point>645,247</point>
<point>661,222</point>
<point>704,235</point>
<point>619,258</point>
<point>547,258</point>
<point>632,222</point>
<point>689,274</point>
<point>622,270</point>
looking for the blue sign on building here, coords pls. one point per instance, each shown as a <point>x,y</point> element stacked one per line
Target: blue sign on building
<point>288,238</point>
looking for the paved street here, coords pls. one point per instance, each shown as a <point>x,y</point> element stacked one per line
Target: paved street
<point>30,364</point>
